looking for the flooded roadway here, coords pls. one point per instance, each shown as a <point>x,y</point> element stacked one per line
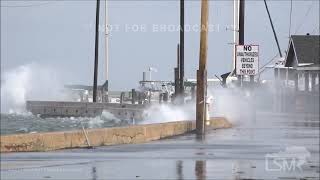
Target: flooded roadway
<point>267,147</point>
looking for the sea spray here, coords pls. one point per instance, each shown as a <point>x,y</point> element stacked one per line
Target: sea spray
<point>29,82</point>
<point>230,103</point>
<point>160,113</point>
<point>14,88</point>
<point>240,104</point>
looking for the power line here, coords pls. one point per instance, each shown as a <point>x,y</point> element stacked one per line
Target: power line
<point>27,5</point>
<point>272,59</point>
<point>271,23</point>
<point>303,20</point>
<point>263,68</point>
<point>315,30</point>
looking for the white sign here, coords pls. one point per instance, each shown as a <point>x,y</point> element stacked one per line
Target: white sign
<point>247,59</point>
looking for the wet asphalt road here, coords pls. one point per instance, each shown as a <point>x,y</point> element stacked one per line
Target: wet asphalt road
<point>253,149</point>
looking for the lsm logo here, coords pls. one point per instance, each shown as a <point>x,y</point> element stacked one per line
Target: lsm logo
<point>289,160</point>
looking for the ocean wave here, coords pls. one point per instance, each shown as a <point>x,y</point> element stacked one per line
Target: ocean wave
<point>16,122</point>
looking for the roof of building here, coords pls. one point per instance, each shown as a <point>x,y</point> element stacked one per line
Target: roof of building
<point>305,48</point>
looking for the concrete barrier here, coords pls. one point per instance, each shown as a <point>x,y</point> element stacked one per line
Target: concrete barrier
<point>101,137</point>
<point>84,109</point>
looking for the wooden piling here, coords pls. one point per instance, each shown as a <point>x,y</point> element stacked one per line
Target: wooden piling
<point>140,98</point>
<point>177,73</point>
<point>165,97</point>
<point>122,97</point>
<point>176,82</point>
<point>133,96</point>
<point>160,98</point>
<point>193,92</point>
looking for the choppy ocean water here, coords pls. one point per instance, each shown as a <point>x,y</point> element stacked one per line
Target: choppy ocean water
<point>17,123</point>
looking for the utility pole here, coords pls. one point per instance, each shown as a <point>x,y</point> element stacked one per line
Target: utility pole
<point>202,72</point>
<point>95,78</point>
<point>181,89</point>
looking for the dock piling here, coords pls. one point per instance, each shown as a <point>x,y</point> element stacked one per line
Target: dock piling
<point>133,96</point>
<point>122,97</point>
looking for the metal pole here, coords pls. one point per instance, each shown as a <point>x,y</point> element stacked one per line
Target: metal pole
<point>251,79</point>
<point>235,29</point>
<point>241,22</point>
<point>306,81</point>
<point>178,58</point>
<point>313,82</point>
<point>95,78</point>
<point>274,32</point>
<point>202,72</point>
<point>181,89</point>
<point>296,80</point>
<point>106,63</point>
<point>106,75</point>
<point>241,30</point>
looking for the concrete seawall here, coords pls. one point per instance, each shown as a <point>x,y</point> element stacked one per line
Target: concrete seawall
<point>101,137</point>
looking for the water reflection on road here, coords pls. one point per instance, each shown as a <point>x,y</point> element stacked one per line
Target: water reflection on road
<point>237,153</point>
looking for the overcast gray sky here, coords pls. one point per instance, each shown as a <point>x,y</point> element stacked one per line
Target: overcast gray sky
<point>60,34</point>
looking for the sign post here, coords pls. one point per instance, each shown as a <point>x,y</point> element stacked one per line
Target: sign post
<point>247,60</point>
